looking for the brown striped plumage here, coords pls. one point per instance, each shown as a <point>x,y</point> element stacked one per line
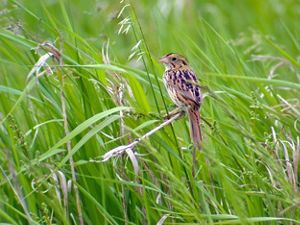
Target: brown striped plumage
<point>184,90</point>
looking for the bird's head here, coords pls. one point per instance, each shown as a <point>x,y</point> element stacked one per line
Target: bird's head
<point>174,61</point>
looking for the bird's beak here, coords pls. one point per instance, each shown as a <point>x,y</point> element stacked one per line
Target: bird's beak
<point>163,60</point>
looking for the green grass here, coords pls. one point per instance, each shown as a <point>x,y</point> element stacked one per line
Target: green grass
<point>246,55</point>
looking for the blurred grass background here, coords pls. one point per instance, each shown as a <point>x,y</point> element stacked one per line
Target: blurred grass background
<point>109,92</point>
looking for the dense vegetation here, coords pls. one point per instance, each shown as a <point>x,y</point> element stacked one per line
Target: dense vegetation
<point>59,115</point>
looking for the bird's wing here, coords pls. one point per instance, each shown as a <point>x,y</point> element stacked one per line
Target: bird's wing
<point>185,84</point>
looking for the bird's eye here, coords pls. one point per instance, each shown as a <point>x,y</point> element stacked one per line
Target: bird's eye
<point>174,59</point>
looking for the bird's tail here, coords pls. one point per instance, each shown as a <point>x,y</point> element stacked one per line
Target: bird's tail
<point>195,130</point>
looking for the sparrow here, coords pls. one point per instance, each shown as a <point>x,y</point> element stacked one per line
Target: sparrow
<point>184,90</point>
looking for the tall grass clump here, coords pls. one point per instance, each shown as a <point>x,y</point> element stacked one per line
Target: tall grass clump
<point>81,78</point>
